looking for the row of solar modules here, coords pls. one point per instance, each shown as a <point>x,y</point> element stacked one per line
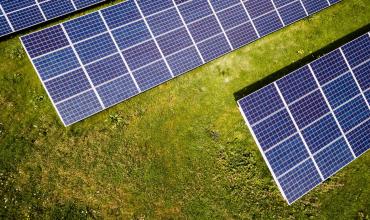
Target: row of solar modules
<point>16,15</point>
<point>95,61</point>
<point>315,120</point>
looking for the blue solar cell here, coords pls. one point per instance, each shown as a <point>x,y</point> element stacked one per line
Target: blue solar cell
<point>177,2</point>
<point>165,21</point>
<point>67,85</point>
<point>25,18</point>
<point>85,3</point>
<point>321,133</point>
<point>214,47</point>
<point>279,124</point>
<point>258,7</point>
<point>79,107</point>
<point>174,41</point>
<point>220,5</point>
<point>45,41</point>
<point>205,28</point>
<point>14,5</point>
<point>131,34</point>
<point>142,54</point>
<point>280,3</point>
<point>95,48</point>
<point>56,63</point>
<point>261,103</point>
<point>121,14</point>
<point>242,35</point>
<point>232,17</point>
<point>268,23</point>
<point>55,8</point>
<point>362,75</point>
<point>352,113</point>
<point>341,90</point>
<point>194,10</point>
<point>4,26</point>
<point>309,109</point>
<point>292,12</point>
<point>117,90</point>
<point>300,180</point>
<point>359,138</point>
<point>106,69</point>
<point>357,51</point>
<point>286,155</point>
<point>333,158</point>
<point>152,75</point>
<point>184,61</point>
<point>84,27</point>
<point>149,7</point>
<point>313,6</point>
<point>329,67</point>
<point>297,84</point>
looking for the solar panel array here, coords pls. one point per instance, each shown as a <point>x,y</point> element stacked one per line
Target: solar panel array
<point>95,61</point>
<point>314,121</point>
<point>16,15</point>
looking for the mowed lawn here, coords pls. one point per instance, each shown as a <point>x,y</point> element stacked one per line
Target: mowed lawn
<point>178,151</point>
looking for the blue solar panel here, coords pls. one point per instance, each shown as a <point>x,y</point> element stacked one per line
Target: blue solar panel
<point>292,12</point>
<point>53,9</point>
<point>175,41</point>
<point>233,16</point>
<point>184,60</point>
<point>19,14</point>
<point>99,73</point>
<point>268,23</point>
<point>297,84</point>
<point>352,113</point>
<point>286,155</point>
<point>314,121</point>
<point>359,138</point>
<point>74,108</point>
<point>152,75</point>
<point>257,8</point>
<point>152,41</point>
<point>114,91</point>
<point>56,64</point>
<point>164,22</point>
<point>67,85</point>
<point>279,124</point>
<point>341,89</point>
<point>314,137</point>
<point>313,6</point>
<point>308,109</point>
<point>142,54</point>
<point>333,157</point>
<point>299,180</point>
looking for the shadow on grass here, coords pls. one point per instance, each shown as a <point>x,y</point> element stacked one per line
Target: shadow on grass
<point>300,63</point>
<point>47,23</point>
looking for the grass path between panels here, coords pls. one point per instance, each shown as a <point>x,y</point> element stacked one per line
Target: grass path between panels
<point>179,151</point>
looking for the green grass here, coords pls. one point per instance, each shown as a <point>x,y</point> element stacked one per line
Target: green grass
<point>179,151</point>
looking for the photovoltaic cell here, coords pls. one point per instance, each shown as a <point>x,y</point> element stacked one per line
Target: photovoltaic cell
<point>17,15</point>
<point>314,121</point>
<point>152,42</point>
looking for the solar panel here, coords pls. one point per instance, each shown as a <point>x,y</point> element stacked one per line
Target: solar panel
<point>314,121</point>
<point>16,15</point>
<point>123,50</point>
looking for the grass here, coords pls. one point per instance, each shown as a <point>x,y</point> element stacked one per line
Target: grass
<point>179,151</point>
